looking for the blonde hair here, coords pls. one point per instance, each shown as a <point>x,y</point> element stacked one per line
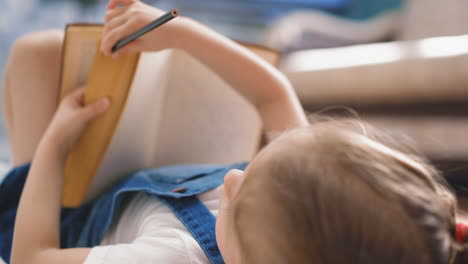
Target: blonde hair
<point>336,194</point>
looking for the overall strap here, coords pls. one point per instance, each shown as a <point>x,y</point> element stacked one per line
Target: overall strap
<point>200,222</point>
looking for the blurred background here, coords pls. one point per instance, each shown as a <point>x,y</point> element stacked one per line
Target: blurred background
<point>379,57</point>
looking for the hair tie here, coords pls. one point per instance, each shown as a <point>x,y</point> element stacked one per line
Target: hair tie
<point>461,234</point>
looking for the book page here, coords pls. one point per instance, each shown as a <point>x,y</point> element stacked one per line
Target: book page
<point>132,144</point>
<point>204,120</point>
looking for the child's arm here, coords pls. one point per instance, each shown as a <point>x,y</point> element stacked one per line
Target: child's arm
<point>37,226</point>
<point>264,86</point>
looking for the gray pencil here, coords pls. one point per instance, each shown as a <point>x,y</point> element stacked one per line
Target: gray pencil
<point>156,23</point>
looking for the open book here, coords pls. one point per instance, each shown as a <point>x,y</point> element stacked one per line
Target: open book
<point>167,108</point>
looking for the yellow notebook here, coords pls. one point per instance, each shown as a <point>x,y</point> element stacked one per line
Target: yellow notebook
<point>167,108</point>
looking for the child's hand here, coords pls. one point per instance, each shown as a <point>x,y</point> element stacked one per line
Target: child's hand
<point>132,15</point>
<point>71,119</point>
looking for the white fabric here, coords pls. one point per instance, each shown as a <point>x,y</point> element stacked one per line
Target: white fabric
<point>148,232</point>
<point>5,167</point>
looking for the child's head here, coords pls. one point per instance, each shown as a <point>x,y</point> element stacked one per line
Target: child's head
<point>330,194</point>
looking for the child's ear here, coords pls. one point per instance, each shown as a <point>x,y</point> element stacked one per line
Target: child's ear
<point>232,182</point>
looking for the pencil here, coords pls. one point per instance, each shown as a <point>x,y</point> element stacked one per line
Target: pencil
<point>156,23</point>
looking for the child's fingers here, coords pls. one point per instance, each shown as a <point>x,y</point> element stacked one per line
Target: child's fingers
<point>133,46</point>
<point>114,3</point>
<point>94,109</point>
<point>112,13</point>
<point>76,96</point>
<point>78,91</point>
<point>115,35</point>
<point>114,23</point>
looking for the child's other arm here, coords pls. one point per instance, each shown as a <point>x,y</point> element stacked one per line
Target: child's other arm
<point>37,226</point>
<point>263,85</point>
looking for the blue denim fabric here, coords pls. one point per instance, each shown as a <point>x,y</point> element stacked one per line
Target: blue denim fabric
<point>176,186</point>
<point>199,221</point>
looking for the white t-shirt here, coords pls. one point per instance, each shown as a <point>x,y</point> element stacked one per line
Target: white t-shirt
<point>148,232</point>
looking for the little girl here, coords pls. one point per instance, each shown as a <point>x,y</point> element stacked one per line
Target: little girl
<point>329,192</point>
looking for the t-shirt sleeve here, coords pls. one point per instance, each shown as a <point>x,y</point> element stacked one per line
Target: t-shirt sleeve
<point>159,246</point>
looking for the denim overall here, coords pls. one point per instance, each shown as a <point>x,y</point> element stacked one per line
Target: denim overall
<point>175,186</point>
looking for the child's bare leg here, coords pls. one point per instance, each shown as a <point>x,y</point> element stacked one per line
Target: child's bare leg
<point>31,91</point>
